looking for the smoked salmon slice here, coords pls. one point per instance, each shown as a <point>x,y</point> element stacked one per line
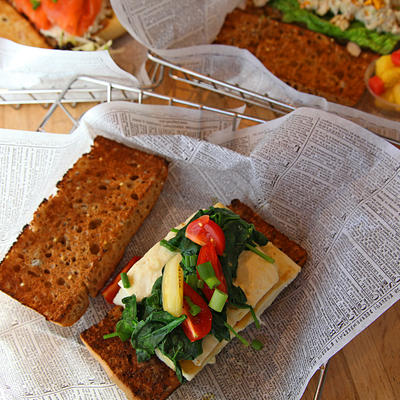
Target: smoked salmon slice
<point>35,13</point>
<point>73,16</point>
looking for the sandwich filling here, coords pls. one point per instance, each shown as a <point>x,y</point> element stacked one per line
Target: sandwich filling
<point>373,24</point>
<point>70,24</point>
<point>198,287</point>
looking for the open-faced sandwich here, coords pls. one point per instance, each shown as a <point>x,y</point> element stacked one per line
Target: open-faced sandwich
<point>62,24</point>
<point>318,47</point>
<point>188,296</point>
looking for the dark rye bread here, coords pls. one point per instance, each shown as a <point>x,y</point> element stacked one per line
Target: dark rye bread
<point>308,61</point>
<point>77,237</point>
<point>153,379</point>
<point>150,380</point>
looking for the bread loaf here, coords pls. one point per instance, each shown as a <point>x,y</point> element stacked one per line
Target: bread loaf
<point>77,237</point>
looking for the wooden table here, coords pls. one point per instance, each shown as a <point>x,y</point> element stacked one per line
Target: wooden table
<point>367,368</point>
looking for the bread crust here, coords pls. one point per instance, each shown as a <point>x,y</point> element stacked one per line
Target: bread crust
<point>77,238</point>
<point>118,358</point>
<point>15,27</point>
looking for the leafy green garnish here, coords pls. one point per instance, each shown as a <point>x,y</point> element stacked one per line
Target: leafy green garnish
<point>149,327</point>
<point>35,4</point>
<point>379,42</point>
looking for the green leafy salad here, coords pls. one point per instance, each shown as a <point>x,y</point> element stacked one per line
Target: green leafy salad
<point>379,42</point>
<point>189,301</point>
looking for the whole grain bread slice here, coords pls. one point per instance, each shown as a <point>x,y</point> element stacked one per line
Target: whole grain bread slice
<point>77,237</point>
<point>153,379</point>
<point>306,60</point>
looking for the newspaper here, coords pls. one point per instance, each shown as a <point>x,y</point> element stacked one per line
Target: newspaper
<point>49,71</point>
<point>170,30</point>
<point>326,182</point>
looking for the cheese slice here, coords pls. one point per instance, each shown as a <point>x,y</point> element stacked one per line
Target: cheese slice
<point>260,280</point>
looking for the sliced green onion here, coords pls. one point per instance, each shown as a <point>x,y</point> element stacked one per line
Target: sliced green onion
<point>260,253</point>
<point>241,338</point>
<point>194,309</point>
<point>218,300</point>
<point>110,335</point>
<point>174,230</point>
<point>206,270</point>
<point>168,245</point>
<point>207,274</point>
<point>256,344</point>
<point>212,282</point>
<point>193,260</point>
<point>125,280</point>
<point>192,280</point>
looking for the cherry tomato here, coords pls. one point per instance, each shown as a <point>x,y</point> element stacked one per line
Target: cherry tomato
<point>208,253</point>
<point>112,289</point>
<point>395,56</point>
<point>376,85</point>
<point>203,230</point>
<point>195,327</point>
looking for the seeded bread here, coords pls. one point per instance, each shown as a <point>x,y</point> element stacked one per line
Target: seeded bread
<point>153,379</point>
<point>308,61</point>
<point>77,237</point>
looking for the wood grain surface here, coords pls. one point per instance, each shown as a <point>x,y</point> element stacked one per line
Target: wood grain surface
<point>368,367</point>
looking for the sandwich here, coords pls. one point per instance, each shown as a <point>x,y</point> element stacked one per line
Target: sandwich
<point>61,24</point>
<point>282,35</point>
<point>188,296</point>
<point>78,236</point>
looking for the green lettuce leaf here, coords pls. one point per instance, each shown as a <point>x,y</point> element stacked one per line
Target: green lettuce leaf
<point>382,43</point>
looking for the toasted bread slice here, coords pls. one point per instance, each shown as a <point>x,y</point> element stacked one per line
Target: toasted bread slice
<point>308,61</point>
<point>15,27</point>
<point>140,381</point>
<point>77,237</point>
<point>118,358</point>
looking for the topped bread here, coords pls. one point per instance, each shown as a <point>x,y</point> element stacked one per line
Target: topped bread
<point>150,378</point>
<point>77,237</point>
<point>308,61</point>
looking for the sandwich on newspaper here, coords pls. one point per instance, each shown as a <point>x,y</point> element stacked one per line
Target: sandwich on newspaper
<point>61,24</point>
<point>189,295</point>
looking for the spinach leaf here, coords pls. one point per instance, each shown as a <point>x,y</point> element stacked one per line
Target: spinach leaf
<point>149,333</point>
<point>177,346</point>
<point>218,328</point>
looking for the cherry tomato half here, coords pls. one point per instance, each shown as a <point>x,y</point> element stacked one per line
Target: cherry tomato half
<point>195,327</point>
<point>376,85</point>
<point>203,230</point>
<point>395,56</point>
<point>208,253</point>
<point>112,289</point>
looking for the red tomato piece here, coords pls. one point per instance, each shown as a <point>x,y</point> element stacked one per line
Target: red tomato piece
<point>195,327</point>
<point>203,230</point>
<point>395,56</point>
<point>112,289</point>
<point>208,253</point>
<point>376,85</point>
